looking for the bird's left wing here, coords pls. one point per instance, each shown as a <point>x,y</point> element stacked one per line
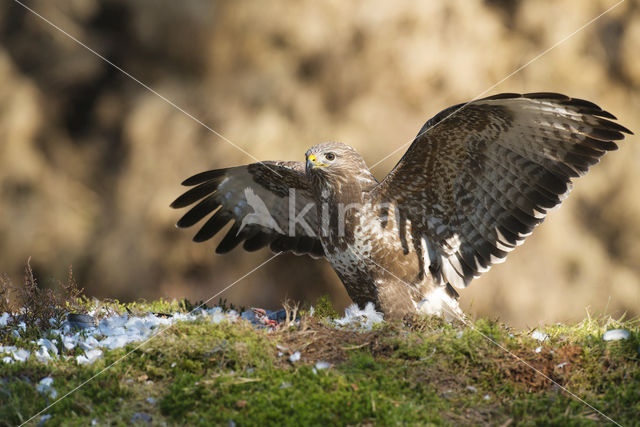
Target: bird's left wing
<point>270,204</point>
<point>479,177</point>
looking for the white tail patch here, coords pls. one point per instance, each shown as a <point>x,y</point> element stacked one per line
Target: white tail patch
<point>438,303</point>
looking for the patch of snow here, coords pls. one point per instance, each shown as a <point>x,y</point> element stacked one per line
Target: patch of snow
<point>4,319</point>
<point>89,357</point>
<point>7,348</point>
<point>472,389</point>
<point>42,354</point>
<point>322,365</point>
<point>48,344</point>
<point>45,386</point>
<point>112,332</point>
<point>616,335</point>
<point>21,355</point>
<point>295,357</point>
<point>217,315</point>
<point>249,315</point>
<point>113,325</point>
<point>45,382</point>
<point>89,343</point>
<point>538,335</point>
<point>69,341</point>
<point>365,319</point>
<point>117,341</point>
<point>562,365</point>
<point>538,349</point>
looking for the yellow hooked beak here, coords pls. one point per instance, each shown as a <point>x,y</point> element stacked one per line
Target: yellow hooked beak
<point>314,160</point>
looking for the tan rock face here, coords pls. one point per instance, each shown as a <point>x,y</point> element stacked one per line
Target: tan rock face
<point>90,160</point>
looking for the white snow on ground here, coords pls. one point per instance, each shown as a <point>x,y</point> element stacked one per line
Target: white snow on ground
<point>89,356</point>
<point>4,319</point>
<point>294,357</point>
<point>111,333</point>
<point>116,331</point>
<point>45,386</point>
<point>539,335</point>
<point>356,318</point>
<point>16,354</point>
<point>322,365</point>
<point>616,335</point>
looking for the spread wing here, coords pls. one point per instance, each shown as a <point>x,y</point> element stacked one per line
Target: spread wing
<point>259,198</point>
<point>474,183</point>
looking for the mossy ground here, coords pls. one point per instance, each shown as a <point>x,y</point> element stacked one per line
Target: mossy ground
<point>419,371</point>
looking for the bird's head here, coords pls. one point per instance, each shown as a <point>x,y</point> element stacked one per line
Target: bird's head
<point>334,165</point>
<point>333,158</point>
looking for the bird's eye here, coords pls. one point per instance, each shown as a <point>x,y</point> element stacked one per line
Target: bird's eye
<point>330,156</point>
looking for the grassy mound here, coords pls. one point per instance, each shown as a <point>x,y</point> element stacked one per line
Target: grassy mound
<point>422,370</point>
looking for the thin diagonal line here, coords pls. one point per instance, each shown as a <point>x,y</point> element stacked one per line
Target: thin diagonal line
<point>147,340</point>
<point>144,85</point>
<point>517,70</point>
<point>472,326</point>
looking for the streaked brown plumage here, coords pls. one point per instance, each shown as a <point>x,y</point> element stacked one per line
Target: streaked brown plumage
<point>473,184</point>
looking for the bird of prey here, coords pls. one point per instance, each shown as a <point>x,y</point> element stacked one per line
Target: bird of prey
<point>473,184</point>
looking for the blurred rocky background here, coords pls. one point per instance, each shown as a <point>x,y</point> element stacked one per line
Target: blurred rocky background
<point>90,159</point>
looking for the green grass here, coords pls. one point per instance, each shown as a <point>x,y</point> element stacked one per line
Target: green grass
<point>420,372</point>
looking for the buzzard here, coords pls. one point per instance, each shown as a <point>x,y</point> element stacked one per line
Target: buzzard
<point>474,183</point>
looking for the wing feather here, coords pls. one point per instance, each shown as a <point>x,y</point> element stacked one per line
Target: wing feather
<point>479,177</point>
<point>256,199</point>
<point>213,225</point>
<point>199,211</point>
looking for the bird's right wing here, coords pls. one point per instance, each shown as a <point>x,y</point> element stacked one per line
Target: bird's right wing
<point>269,202</point>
